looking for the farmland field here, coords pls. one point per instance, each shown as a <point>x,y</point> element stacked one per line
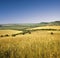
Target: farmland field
<point>38,44</point>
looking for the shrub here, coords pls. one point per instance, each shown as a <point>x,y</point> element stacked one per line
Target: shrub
<point>51,33</point>
<point>1,36</point>
<point>13,35</point>
<point>23,33</point>
<point>6,35</point>
<point>29,32</point>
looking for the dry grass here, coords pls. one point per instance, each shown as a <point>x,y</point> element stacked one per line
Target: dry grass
<point>46,27</point>
<point>38,44</point>
<point>3,32</point>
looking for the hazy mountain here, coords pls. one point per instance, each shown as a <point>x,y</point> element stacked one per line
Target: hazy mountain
<point>50,23</point>
<point>28,25</point>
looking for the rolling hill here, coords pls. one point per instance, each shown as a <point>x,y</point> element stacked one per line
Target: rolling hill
<point>28,25</point>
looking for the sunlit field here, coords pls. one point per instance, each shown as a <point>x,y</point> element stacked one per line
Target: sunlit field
<point>3,32</point>
<point>38,44</point>
<point>46,27</point>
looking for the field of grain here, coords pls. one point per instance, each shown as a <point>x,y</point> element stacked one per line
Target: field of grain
<point>38,44</point>
<point>46,27</point>
<point>2,32</point>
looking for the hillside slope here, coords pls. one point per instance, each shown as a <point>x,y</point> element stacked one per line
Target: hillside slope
<point>28,25</point>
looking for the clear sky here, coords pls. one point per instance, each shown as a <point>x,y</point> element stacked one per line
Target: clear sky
<point>29,11</point>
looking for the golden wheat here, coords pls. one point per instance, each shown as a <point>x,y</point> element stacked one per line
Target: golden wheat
<point>38,44</point>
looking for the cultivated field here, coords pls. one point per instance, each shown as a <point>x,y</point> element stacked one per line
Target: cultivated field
<point>38,44</point>
<point>46,27</point>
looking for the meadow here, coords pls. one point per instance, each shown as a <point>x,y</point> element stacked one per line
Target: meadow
<point>38,44</point>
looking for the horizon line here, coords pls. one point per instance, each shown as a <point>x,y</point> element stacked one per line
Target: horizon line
<point>29,22</point>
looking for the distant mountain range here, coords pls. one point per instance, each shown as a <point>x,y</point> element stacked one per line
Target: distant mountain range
<point>50,23</point>
<point>28,25</point>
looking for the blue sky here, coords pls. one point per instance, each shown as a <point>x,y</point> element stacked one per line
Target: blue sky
<point>29,11</point>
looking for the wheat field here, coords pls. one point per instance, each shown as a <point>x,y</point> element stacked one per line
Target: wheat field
<point>38,44</point>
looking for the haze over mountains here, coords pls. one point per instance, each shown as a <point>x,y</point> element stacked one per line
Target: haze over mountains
<point>50,23</point>
<point>28,25</point>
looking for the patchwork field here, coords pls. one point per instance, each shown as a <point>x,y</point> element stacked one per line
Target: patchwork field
<point>38,44</point>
